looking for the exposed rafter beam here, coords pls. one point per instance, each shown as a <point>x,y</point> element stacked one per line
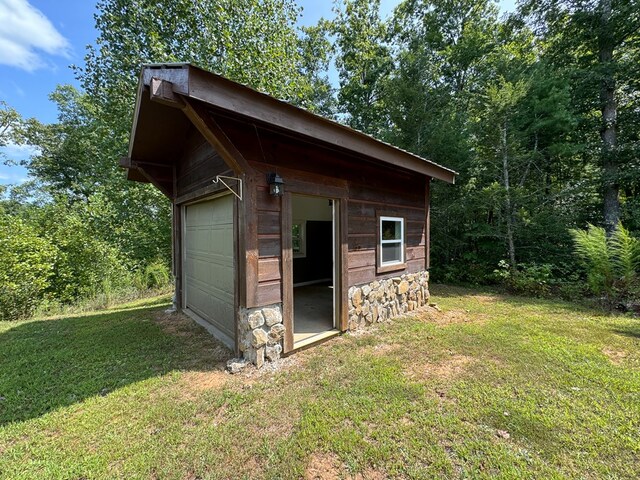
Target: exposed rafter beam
<point>162,91</point>
<point>212,132</point>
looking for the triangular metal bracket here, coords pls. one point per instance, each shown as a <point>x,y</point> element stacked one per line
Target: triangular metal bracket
<point>219,178</point>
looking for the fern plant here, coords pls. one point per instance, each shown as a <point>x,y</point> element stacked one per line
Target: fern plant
<point>612,263</point>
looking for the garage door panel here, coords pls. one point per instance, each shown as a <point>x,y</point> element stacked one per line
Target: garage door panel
<point>208,267</point>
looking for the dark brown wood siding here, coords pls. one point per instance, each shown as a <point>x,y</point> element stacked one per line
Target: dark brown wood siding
<point>314,169</point>
<point>198,166</point>
<point>398,199</point>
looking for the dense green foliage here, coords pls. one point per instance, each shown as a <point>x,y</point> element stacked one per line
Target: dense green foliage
<point>537,111</point>
<point>612,262</point>
<point>26,267</point>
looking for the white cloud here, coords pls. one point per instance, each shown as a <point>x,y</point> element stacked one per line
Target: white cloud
<point>12,175</point>
<point>17,152</point>
<point>25,32</point>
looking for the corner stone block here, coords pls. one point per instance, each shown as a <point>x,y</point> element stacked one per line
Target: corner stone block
<point>272,316</point>
<point>255,319</point>
<point>356,298</point>
<point>260,357</point>
<point>273,352</point>
<point>276,333</point>
<point>259,338</point>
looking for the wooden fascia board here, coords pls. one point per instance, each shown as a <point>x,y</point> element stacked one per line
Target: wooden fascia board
<point>136,114</point>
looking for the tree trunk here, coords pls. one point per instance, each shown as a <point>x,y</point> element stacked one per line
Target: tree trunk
<point>609,110</point>
<point>508,206</point>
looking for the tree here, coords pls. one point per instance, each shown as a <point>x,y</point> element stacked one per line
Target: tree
<point>9,120</point>
<point>250,41</point>
<point>364,62</point>
<point>315,58</point>
<point>600,39</point>
<point>73,154</point>
<point>26,267</point>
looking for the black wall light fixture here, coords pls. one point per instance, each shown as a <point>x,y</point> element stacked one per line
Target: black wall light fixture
<point>275,184</point>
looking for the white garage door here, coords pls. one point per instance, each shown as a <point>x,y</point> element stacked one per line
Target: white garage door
<point>208,266</point>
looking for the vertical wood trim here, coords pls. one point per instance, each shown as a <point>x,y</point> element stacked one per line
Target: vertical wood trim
<point>427,225</point>
<point>287,271</point>
<point>183,292</point>
<point>249,235</point>
<point>343,249</point>
<point>176,253</point>
<point>238,271</point>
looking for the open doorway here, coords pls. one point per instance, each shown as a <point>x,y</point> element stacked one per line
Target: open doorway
<point>314,267</point>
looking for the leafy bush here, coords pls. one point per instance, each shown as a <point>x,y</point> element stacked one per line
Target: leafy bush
<point>86,265</point>
<point>26,266</point>
<point>535,280</point>
<point>154,276</point>
<point>612,263</point>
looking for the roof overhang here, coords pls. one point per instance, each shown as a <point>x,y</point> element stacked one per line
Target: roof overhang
<point>169,85</point>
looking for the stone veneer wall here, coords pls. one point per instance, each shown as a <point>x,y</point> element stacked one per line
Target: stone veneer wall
<point>382,299</point>
<point>261,331</point>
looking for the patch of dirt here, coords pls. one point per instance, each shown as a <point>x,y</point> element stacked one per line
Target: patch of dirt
<point>447,317</point>
<point>382,349</point>
<point>324,466</point>
<point>192,384</point>
<point>486,298</point>
<point>176,324</point>
<point>202,381</point>
<point>451,367</point>
<point>369,474</point>
<point>615,356</point>
<point>207,351</point>
<point>327,466</point>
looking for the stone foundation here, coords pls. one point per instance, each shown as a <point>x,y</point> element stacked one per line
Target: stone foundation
<point>382,299</point>
<point>261,332</point>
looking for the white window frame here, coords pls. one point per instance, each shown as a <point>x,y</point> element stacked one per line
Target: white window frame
<point>303,238</point>
<point>387,242</point>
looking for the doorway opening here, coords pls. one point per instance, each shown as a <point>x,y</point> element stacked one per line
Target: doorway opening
<point>313,231</point>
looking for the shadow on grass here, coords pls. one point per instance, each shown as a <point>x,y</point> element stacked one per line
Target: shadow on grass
<point>48,364</point>
<point>632,331</point>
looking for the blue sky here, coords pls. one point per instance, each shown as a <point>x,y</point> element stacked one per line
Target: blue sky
<point>40,39</point>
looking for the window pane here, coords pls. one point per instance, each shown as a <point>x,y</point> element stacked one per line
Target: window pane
<point>296,238</point>
<point>391,230</point>
<point>391,252</point>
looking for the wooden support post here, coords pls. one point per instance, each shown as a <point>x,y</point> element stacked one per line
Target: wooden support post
<point>287,271</point>
<point>342,252</point>
<point>427,225</point>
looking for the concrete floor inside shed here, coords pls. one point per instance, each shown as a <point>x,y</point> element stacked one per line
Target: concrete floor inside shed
<point>312,311</point>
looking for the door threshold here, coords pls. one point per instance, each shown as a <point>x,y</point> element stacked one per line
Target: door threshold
<point>312,340</point>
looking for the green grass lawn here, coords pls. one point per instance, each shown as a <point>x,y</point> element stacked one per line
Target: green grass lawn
<point>491,386</point>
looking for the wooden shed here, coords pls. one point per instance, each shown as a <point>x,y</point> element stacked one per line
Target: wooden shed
<point>288,228</point>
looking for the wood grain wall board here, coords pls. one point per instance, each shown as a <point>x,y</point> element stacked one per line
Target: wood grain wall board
<point>269,269</point>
